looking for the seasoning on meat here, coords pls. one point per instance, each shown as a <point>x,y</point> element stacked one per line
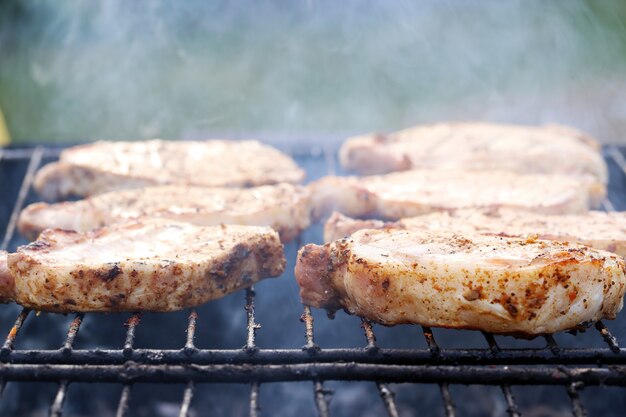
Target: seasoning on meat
<point>105,166</point>
<point>490,283</point>
<point>152,265</point>
<point>284,207</point>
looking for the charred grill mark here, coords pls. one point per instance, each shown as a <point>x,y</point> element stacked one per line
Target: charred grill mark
<point>110,274</point>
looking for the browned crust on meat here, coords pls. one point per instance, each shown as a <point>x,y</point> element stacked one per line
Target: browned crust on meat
<point>7,284</point>
<point>138,285</point>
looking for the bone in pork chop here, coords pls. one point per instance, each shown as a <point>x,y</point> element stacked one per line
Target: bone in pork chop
<point>105,166</point>
<point>477,146</point>
<point>153,265</point>
<point>284,207</point>
<point>489,283</point>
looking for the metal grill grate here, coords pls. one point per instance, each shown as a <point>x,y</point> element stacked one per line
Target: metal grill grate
<point>573,368</point>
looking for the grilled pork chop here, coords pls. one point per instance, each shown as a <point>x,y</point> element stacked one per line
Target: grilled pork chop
<point>7,286</point>
<point>411,193</point>
<point>153,265</point>
<point>597,229</point>
<point>489,283</point>
<point>477,146</point>
<point>284,207</point>
<point>105,166</point>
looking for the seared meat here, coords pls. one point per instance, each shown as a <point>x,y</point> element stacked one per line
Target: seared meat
<point>490,283</point>
<point>597,229</point>
<point>412,193</point>
<point>7,287</point>
<point>105,166</point>
<point>284,207</point>
<point>154,265</point>
<point>477,146</point>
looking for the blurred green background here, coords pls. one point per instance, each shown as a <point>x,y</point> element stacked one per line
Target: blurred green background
<point>82,70</point>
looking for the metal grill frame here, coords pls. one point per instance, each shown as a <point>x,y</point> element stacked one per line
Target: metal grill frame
<point>572,368</point>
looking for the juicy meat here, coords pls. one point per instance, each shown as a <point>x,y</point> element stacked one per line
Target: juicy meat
<point>7,286</point>
<point>412,193</point>
<point>597,229</point>
<point>284,207</point>
<point>154,265</point>
<point>489,283</point>
<point>477,146</point>
<point>105,166</point>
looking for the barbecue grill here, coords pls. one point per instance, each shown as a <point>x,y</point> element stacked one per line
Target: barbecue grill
<point>344,350</point>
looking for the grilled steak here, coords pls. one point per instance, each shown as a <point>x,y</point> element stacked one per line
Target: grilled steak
<point>7,287</point>
<point>153,265</point>
<point>412,193</point>
<point>284,207</point>
<point>597,229</point>
<point>489,283</point>
<point>105,166</point>
<point>477,146</point>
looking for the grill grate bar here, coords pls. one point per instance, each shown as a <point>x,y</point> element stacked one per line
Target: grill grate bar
<point>554,347</point>
<point>7,347</point>
<point>33,164</point>
<point>385,393</point>
<point>608,337</point>
<point>307,319</point>
<point>187,397</point>
<point>512,408</point>
<point>131,326</point>
<point>578,410</point>
<point>122,406</point>
<point>255,408</point>
<point>72,332</point>
<point>617,156</point>
<point>251,348</point>
<point>448,403</point>
<point>252,326</point>
<point>607,205</point>
<point>388,399</point>
<point>369,335</point>
<point>56,409</point>
<point>321,399</point>
<point>433,347</point>
<point>191,332</point>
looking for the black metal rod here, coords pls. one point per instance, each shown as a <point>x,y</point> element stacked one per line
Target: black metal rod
<point>252,325</point>
<point>511,405</point>
<point>7,347</point>
<point>388,399</point>
<point>56,409</point>
<point>71,333</point>
<point>453,374</point>
<point>608,337</point>
<point>578,410</point>
<point>33,164</point>
<point>321,399</point>
<point>122,406</point>
<point>568,356</point>
<point>131,325</point>
<point>255,408</point>
<point>307,319</point>
<point>448,404</point>
<point>187,397</point>
<point>191,331</point>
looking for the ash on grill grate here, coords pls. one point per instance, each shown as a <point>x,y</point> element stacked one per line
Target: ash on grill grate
<point>262,336</point>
